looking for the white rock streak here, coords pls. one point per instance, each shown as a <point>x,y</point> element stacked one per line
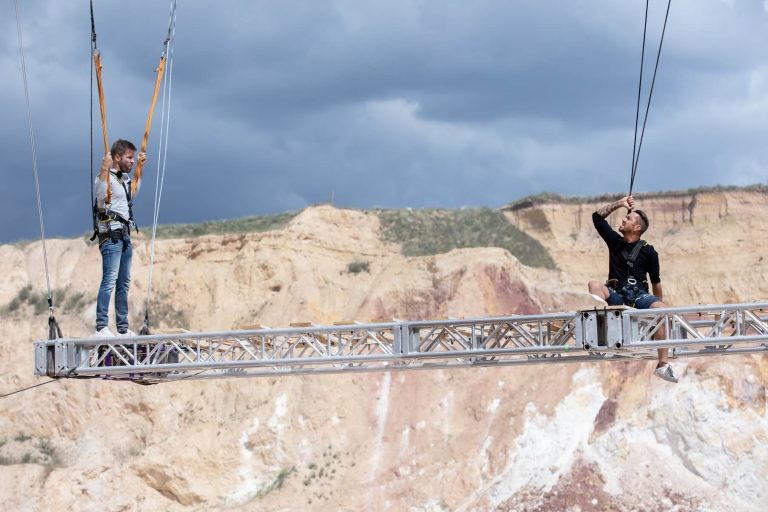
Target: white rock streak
<point>382,409</point>
<point>548,446</point>
<point>251,483</point>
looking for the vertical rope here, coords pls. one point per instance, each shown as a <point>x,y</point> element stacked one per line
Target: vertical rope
<point>639,144</point>
<point>90,66</point>
<point>162,155</point>
<point>54,331</point>
<point>639,93</point>
<point>34,153</point>
<point>650,94</point>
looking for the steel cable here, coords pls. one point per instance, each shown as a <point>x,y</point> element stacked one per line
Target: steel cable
<point>639,94</point>
<point>28,388</point>
<point>34,159</point>
<point>650,95</point>
<point>90,184</point>
<point>162,154</point>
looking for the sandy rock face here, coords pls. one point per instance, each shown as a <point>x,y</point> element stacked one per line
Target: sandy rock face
<point>555,437</point>
<point>709,244</point>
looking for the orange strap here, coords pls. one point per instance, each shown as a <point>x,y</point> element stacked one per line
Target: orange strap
<point>137,175</point>
<point>102,107</point>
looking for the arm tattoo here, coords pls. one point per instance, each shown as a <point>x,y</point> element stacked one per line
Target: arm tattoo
<point>608,208</point>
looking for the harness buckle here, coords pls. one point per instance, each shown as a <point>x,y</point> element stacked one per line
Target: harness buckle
<point>631,281</point>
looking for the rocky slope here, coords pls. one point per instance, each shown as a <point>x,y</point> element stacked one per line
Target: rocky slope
<point>570,437</point>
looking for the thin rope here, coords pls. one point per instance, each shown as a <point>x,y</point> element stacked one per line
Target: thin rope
<point>34,156</point>
<point>169,77</point>
<point>184,378</point>
<point>164,145</point>
<point>162,153</point>
<point>158,184</point>
<point>639,93</point>
<point>28,388</point>
<point>90,65</point>
<point>650,95</point>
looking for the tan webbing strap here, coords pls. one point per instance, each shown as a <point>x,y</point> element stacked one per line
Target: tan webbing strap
<point>103,109</point>
<point>137,175</point>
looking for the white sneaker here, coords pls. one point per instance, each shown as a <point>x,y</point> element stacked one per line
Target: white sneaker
<point>597,298</point>
<point>104,333</point>
<point>665,372</point>
<point>126,334</point>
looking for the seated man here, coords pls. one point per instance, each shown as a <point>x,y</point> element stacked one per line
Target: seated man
<point>630,261</point>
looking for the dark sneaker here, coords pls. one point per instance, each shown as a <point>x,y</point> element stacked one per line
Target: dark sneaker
<point>665,372</point>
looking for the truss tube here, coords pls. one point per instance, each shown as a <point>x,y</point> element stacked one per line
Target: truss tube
<point>718,351</point>
<point>705,308</point>
<point>492,341</point>
<point>467,322</point>
<point>719,340</point>
<point>404,364</point>
<point>213,365</point>
<point>585,358</point>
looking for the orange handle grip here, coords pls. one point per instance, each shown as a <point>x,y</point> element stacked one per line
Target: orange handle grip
<point>137,175</point>
<point>103,109</point>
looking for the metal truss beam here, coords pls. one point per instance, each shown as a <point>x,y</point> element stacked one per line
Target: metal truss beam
<point>607,334</point>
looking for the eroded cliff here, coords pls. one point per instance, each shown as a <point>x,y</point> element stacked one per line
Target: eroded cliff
<point>596,437</point>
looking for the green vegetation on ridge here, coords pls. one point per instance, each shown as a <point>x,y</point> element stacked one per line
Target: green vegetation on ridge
<point>549,197</point>
<point>428,232</point>
<point>223,227</point>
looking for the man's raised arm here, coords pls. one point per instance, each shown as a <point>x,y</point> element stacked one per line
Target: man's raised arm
<point>598,219</point>
<point>626,202</point>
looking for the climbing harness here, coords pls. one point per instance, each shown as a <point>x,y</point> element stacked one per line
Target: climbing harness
<point>107,216</point>
<point>630,289</point>
<point>638,143</point>
<point>632,257</point>
<point>54,331</point>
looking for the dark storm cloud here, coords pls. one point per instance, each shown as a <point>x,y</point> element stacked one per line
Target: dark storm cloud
<point>277,105</point>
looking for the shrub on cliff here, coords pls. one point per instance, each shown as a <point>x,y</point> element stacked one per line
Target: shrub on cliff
<point>428,232</point>
<point>221,227</point>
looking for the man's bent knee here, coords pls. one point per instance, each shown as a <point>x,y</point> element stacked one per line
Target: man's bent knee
<point>598,288</point>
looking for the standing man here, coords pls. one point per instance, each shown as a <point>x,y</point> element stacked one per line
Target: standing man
<point>631,260</point>
<point>114,210</point>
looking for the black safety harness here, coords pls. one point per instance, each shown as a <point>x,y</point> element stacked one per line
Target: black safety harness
<point>631,258</point>
<point>107,216</point>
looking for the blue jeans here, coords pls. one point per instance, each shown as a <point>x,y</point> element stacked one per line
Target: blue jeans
<point>115,275</point>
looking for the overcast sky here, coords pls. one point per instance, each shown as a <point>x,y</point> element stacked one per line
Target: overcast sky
<point>394,103</point>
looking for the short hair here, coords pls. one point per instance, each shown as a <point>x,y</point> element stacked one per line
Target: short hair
<point>644,222</point>
<point>121,146</point>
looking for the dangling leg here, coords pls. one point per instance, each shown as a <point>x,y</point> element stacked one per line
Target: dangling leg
<point>663,368</point>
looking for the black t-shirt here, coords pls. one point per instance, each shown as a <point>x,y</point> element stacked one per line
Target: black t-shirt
<point>647,261</point>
